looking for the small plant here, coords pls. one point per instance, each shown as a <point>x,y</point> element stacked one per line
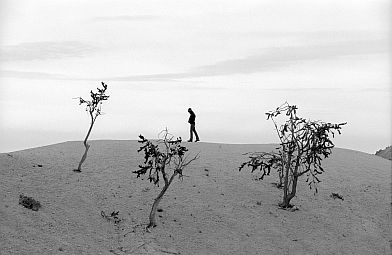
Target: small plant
<point>29,202</point>
<point>116,220</point>
<point>112,217</point>
<point>303,145</point>
<point>336,195</point>
<point>93,107</point>
<point>163,160</point>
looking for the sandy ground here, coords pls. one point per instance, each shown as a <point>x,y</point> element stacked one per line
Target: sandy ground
<point>214,210</point>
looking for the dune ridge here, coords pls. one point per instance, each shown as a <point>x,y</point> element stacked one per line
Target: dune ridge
<point>214,210</point>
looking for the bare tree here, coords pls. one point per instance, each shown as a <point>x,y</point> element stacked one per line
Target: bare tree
<point>165,160</point>
<point>93,107</point>
<point>303,145</point>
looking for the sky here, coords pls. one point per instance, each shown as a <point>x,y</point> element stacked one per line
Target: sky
<point>230,61</point>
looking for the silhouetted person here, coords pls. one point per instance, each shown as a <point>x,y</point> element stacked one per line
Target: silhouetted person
<point>191,121</point>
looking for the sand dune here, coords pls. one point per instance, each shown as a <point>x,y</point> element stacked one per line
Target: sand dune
<point>385,153</point>
<point>214,210</point>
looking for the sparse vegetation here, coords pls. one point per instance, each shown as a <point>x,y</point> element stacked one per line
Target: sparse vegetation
<point>29,202</point>
<point>116,220</point>
<point>113,216</point>
<point>164,160</point>
<point>336,195</point>
<point>93,107</point>
<point>303,145</point>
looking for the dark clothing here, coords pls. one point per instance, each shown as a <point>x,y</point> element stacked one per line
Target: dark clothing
<point>193,130</point>
<point>192,118</point>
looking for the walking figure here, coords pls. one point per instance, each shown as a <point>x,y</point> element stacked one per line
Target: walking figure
<point>191,121</point>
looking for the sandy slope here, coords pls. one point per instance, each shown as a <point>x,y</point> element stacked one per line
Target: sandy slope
<point>385,153</point>
<point>215,210</point>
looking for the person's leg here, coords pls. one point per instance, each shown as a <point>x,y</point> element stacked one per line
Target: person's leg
<point>191,134</point>
<point>197,136</point>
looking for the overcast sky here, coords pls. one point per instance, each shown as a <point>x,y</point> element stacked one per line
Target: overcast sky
<point>231,61</point>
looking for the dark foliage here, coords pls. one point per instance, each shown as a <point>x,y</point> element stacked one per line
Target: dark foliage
<point>29,202</point>
<point>303,145</point>
<point>111,217</point>
<point>336,195</point>
<point>93,107</point>
<point>163,160</point>
<point>156,160</point>
<point>263,162</point>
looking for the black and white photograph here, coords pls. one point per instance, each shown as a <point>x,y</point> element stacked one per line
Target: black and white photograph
<point>200,127</point>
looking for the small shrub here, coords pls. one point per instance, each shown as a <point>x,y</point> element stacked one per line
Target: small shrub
<point>29,202</point>
<point>303,145</point>
<point>336,195</point>
<point>112,217</point>
<point>164,160</point>
<point>93,107</point>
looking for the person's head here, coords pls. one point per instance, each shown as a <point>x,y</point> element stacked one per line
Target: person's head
<point>189,110</point>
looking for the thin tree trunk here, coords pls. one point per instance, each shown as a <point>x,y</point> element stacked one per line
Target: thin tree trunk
<point>285,203</point>
<point>156,202</point>
<point>87,147</point>
<point>155,207</point>
<point>291,195</point>
<point>286,198</point>
<point>280,184</point>
<point>281,173</point>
